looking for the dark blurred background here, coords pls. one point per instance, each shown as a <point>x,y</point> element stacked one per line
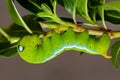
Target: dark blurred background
<point>68,66</point>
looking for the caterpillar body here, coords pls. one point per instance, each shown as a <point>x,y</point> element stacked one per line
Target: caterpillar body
<point>36,50</point>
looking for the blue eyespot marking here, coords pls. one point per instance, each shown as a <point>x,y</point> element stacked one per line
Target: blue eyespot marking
<point>20,48</point>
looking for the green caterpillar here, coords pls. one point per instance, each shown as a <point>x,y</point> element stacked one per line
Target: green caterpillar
<point>36,50</point>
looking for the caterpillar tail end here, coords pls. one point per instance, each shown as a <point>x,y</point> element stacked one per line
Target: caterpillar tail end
<point>108,57</point>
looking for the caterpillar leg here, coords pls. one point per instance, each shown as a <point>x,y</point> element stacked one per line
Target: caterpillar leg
<point>108,57</point>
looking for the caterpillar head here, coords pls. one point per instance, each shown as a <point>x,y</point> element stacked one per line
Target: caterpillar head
<point>29,49</point>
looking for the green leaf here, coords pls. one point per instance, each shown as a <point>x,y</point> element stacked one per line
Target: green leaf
<point>76,7</point>
<point>115,53</point>
<point>80,8</point>
<point>101,13</point>
<point>33,25</point>
<point>104,12</point>
<point>112,16</point>
<point>92,6</point>
<point>16,16</point>
<point>34,5</point>
<point>70,6</point>
<point>96,8</point>
<point>112,12</point>
<point>45,9</point>
<point>113,5</point>
<point>54,4</point>
<point>8,37</point>
<point>7,49</point>
<point>95,3</point>
<point>46,12</point>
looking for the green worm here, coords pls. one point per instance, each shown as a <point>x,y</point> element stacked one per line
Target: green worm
<point>37,50</point>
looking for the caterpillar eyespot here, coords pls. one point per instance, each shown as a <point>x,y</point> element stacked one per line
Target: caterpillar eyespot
<point>20,48</point>
<point>35,50</point>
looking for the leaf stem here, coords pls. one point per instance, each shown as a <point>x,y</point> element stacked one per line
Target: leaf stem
<point>9,38</point>
<point>4,33</point>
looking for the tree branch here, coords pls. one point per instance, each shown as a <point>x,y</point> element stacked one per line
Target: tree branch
<point>79,28</point>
